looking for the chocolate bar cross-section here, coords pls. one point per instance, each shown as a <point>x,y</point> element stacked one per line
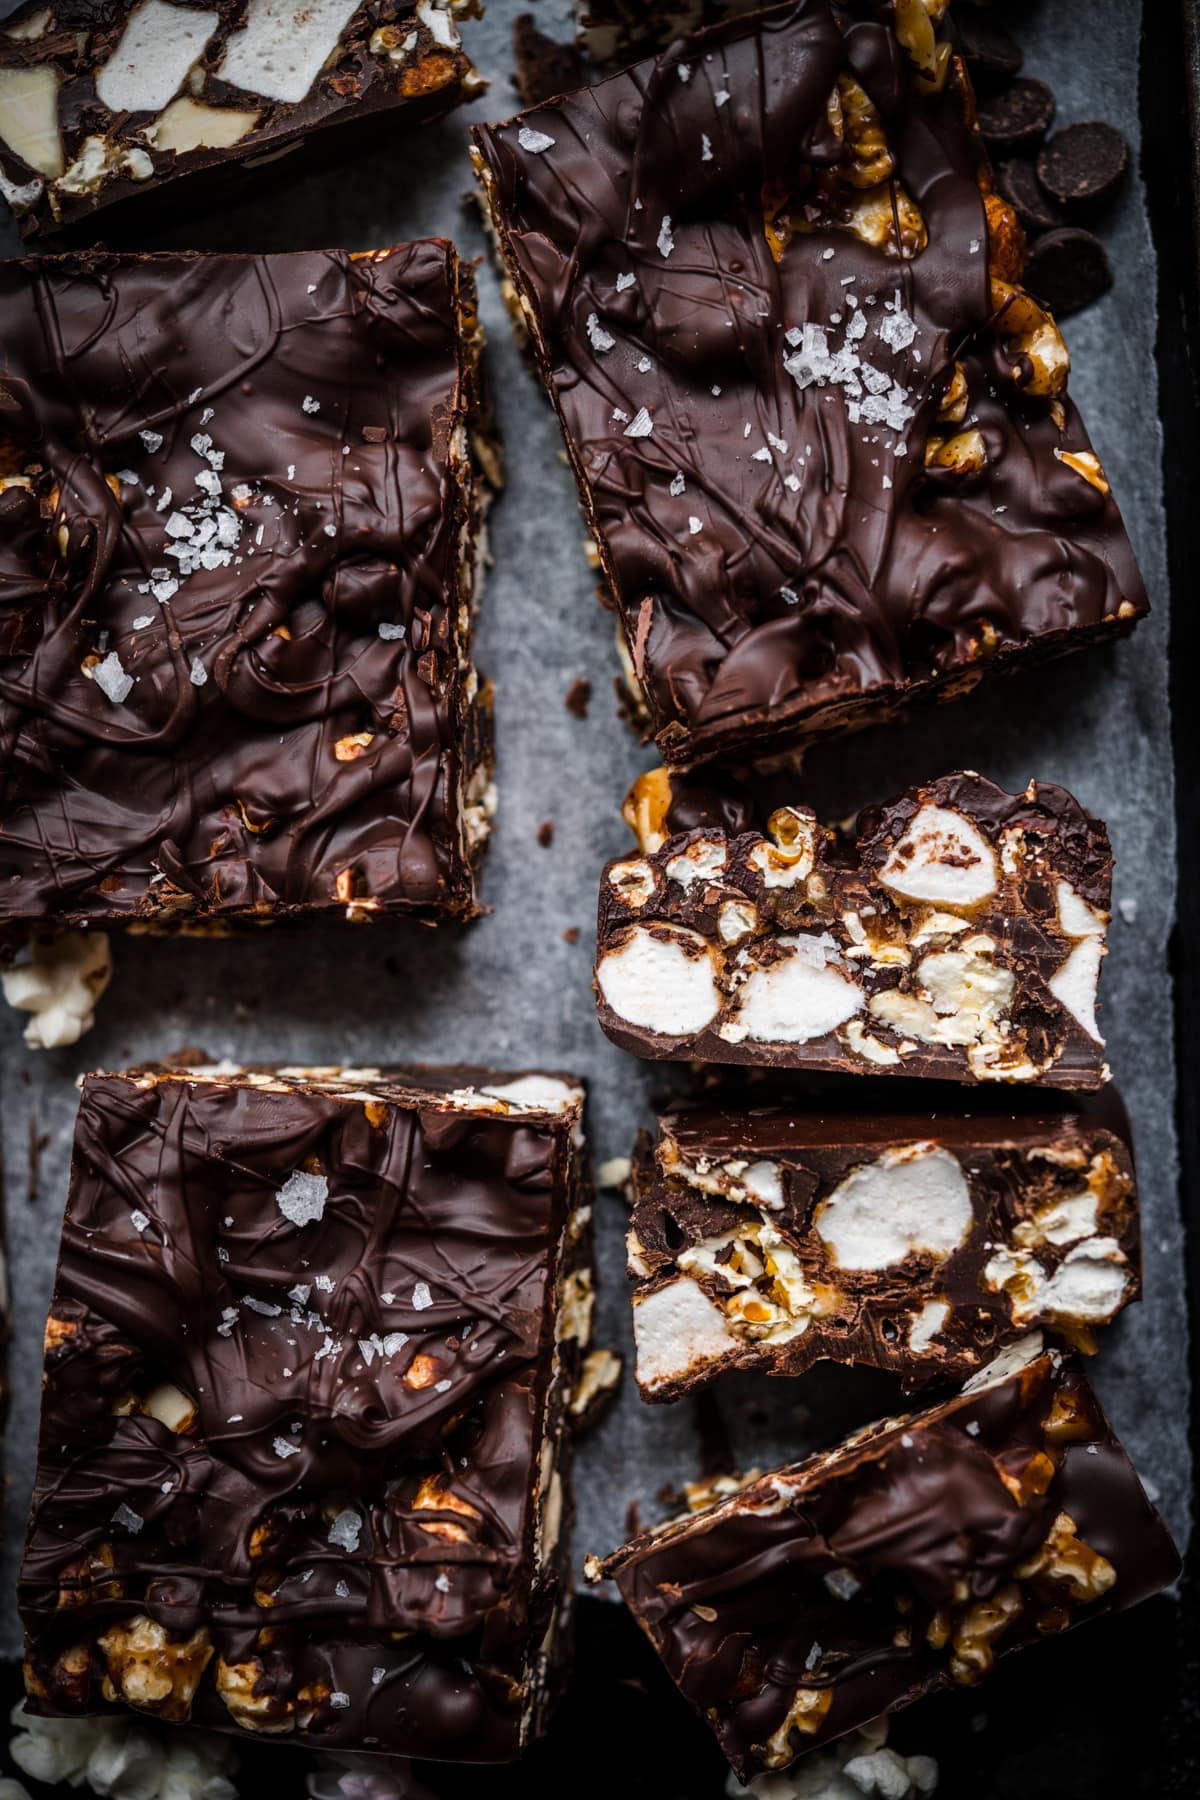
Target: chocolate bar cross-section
<point>304,1458</point>
<point>774,1238</point>
<point>821,433</point>
<point>239,524</point>
<point>902,1562</point>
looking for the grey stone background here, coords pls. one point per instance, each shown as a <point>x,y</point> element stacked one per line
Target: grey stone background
<point>510,989</point>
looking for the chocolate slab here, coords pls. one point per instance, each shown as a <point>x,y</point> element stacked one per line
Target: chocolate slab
<point>304,1462</point>
<point>905,1561</point>
<point>956,932</point>
<point>102,105</point>
<point>821,434</point>
<point>773,1239</point>
<point>239,516</point>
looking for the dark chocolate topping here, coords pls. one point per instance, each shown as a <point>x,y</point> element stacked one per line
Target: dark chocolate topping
<point>368,1364</point>
<point>241,518</point>
<point>856,1574</point>
<point>747,386</point>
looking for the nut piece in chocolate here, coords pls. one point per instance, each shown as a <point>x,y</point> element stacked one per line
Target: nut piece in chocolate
<point>956,932</point>
<point>775,1239</point>
<point>821,431</point>
<point>240,516</point>
<point>905,1561</point>
<point>105,105</point>
<point>304,1460</point>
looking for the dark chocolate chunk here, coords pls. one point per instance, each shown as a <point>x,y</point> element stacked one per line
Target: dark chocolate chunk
<point>1017,181</point>
<point>1083,164</point>
<point>304,1458</point>
<point>773,1239</point>
<point>956,932</point>
<point>1017,117</point>
<point>904,1561</point>
<point>544,66</point>
<point>991,54</point>
<point>1068,269</point>
<point>127,125</point>
<point>812,498</point>
<point>235,673</point>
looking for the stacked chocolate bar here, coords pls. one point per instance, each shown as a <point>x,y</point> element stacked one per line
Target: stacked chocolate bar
<point>318,1340</point>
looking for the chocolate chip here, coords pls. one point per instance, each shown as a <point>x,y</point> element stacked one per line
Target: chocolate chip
<point>1018,116</point>
<point>1068,269</point>
<point>1084,163</point>
<point>992,56</point>
<point>545,68</point>
<point>1017,181</point>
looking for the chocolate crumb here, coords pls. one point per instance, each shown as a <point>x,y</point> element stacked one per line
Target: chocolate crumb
<point>571,934</point>
<point>578,697</point>
<point>545,833</point>
<point>544,66</point>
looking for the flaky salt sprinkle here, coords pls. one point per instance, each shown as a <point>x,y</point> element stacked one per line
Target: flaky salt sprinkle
<point>309,405</point>
<point>706,154</point>
<point>695,524</point>
<point>153,440</point>
<point>139,1220</point>
<point>678,484</point>
<point>422,1299</point>
<point>442,1584</point>
<point>346,1530</point>
<point>112,680</point>
<point>390,633</point>
<point>302,1197</point>
<point>625,281</point>
<point>600,340</point>
<point>198,673</point>
<point>340,1700</point>
<point>666,238</point>
<point>536,142</point>
<point>283,1448</point>
<point>131,1520</point>
<point>641,425</point>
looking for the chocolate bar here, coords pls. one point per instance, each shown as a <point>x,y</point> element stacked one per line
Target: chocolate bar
<point>105,105</point>
<point>957,932</point>
<point>821,433</point>
<point>304,1459</point>
<point>776,1238</point>
<point>905,1561</point>
<point>240,516</point>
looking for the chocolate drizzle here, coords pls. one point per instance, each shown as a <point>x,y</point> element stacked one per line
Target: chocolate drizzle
<point>278,718</point>
<point>782,561</point>
<point>387,1365</point>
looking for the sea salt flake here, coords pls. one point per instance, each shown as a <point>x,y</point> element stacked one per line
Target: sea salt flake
<point>706,154</point>
<point>599,339</point>
<point>684,71</point>
<point>534,141</point>
<point>442,1584</point>
<point>153,440</point>
<point>641,425</point>
<point>325,1284</point>
<point>665,239</point>
<point>198,672</point>
<point>695,524</point>
<point>790,595</point>
<point>302,1197</point>
<point>644,365</point>
<point>139,1220</point>
<point>377,1676</point>
<point>126,1516</point>
<point>337,1698</point>
<point>267,1308</point>
<point>394,1342</point>
<point>346,1530</point>
<point>111,679</point>
<point>721,96</point>
<point>390,633</point>
<point>842,1584</point>
<point>422,1299</point>
<point>763,455</point>
<point>143,619</point>
<point>442,1387</point>
<point>625,281</point>
<point>309,405</point>
<point>678,484</point>
<point>284,1448</point>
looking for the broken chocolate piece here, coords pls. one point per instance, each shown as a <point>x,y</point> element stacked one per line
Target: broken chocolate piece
<point>112,104</point>
<point>240,511</point>
<point>1068,269</point>
<point>903,1562</point>
<point>956,932</point>
<point>544,66</point>
<point>1017,181</point>
<point>304,1459</point>
<point>773,1239</point>
<point>814,417</point>
<point>1017,117</point>
<point>1083,164</point>
<point>992,56</point>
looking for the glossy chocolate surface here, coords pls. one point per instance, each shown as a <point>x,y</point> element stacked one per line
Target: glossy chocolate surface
<point>783,562</point>
<point>1052,1189</point>
<point>835,909</point>
<point>389,64</point>
<point>234,675</point>
<point>354,1289</point>
<point>931,1528</point>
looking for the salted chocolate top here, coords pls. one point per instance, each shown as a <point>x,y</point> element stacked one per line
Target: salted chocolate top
<point>298,1378</point>
<point>774,1238</point>
<point>956,932</point>
<point>902,1562</point>
<point>234,659</point>
<point>106,102</point>
<point>820,434</point>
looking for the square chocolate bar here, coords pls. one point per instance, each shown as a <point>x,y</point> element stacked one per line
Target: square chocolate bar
<point>774,1238</point>
<point>240,513</point>
<point>304,1458</point>
<point>102,105</point>
<point>903,1562</point>
<point>821,433</point>
<point>955,932</point>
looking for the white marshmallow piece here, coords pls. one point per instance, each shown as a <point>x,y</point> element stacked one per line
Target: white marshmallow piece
<point>799,997</point>
<point>282,47</point>
<point>677,1328</point>
<point>157,48</point>
<point>59,983</point>
<point>662,980</point>
<point>911,1200</point>
<point>941,859</point>
<point>1075,981</point>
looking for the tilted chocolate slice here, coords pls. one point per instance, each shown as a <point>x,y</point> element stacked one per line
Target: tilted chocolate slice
<point>957,932</point>
<point>304,1457</point>
<point>775,1238</point>
<point>902,1562</point>
<point>821,434</point>
<point>240,517</point>
<point>102,105</point>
